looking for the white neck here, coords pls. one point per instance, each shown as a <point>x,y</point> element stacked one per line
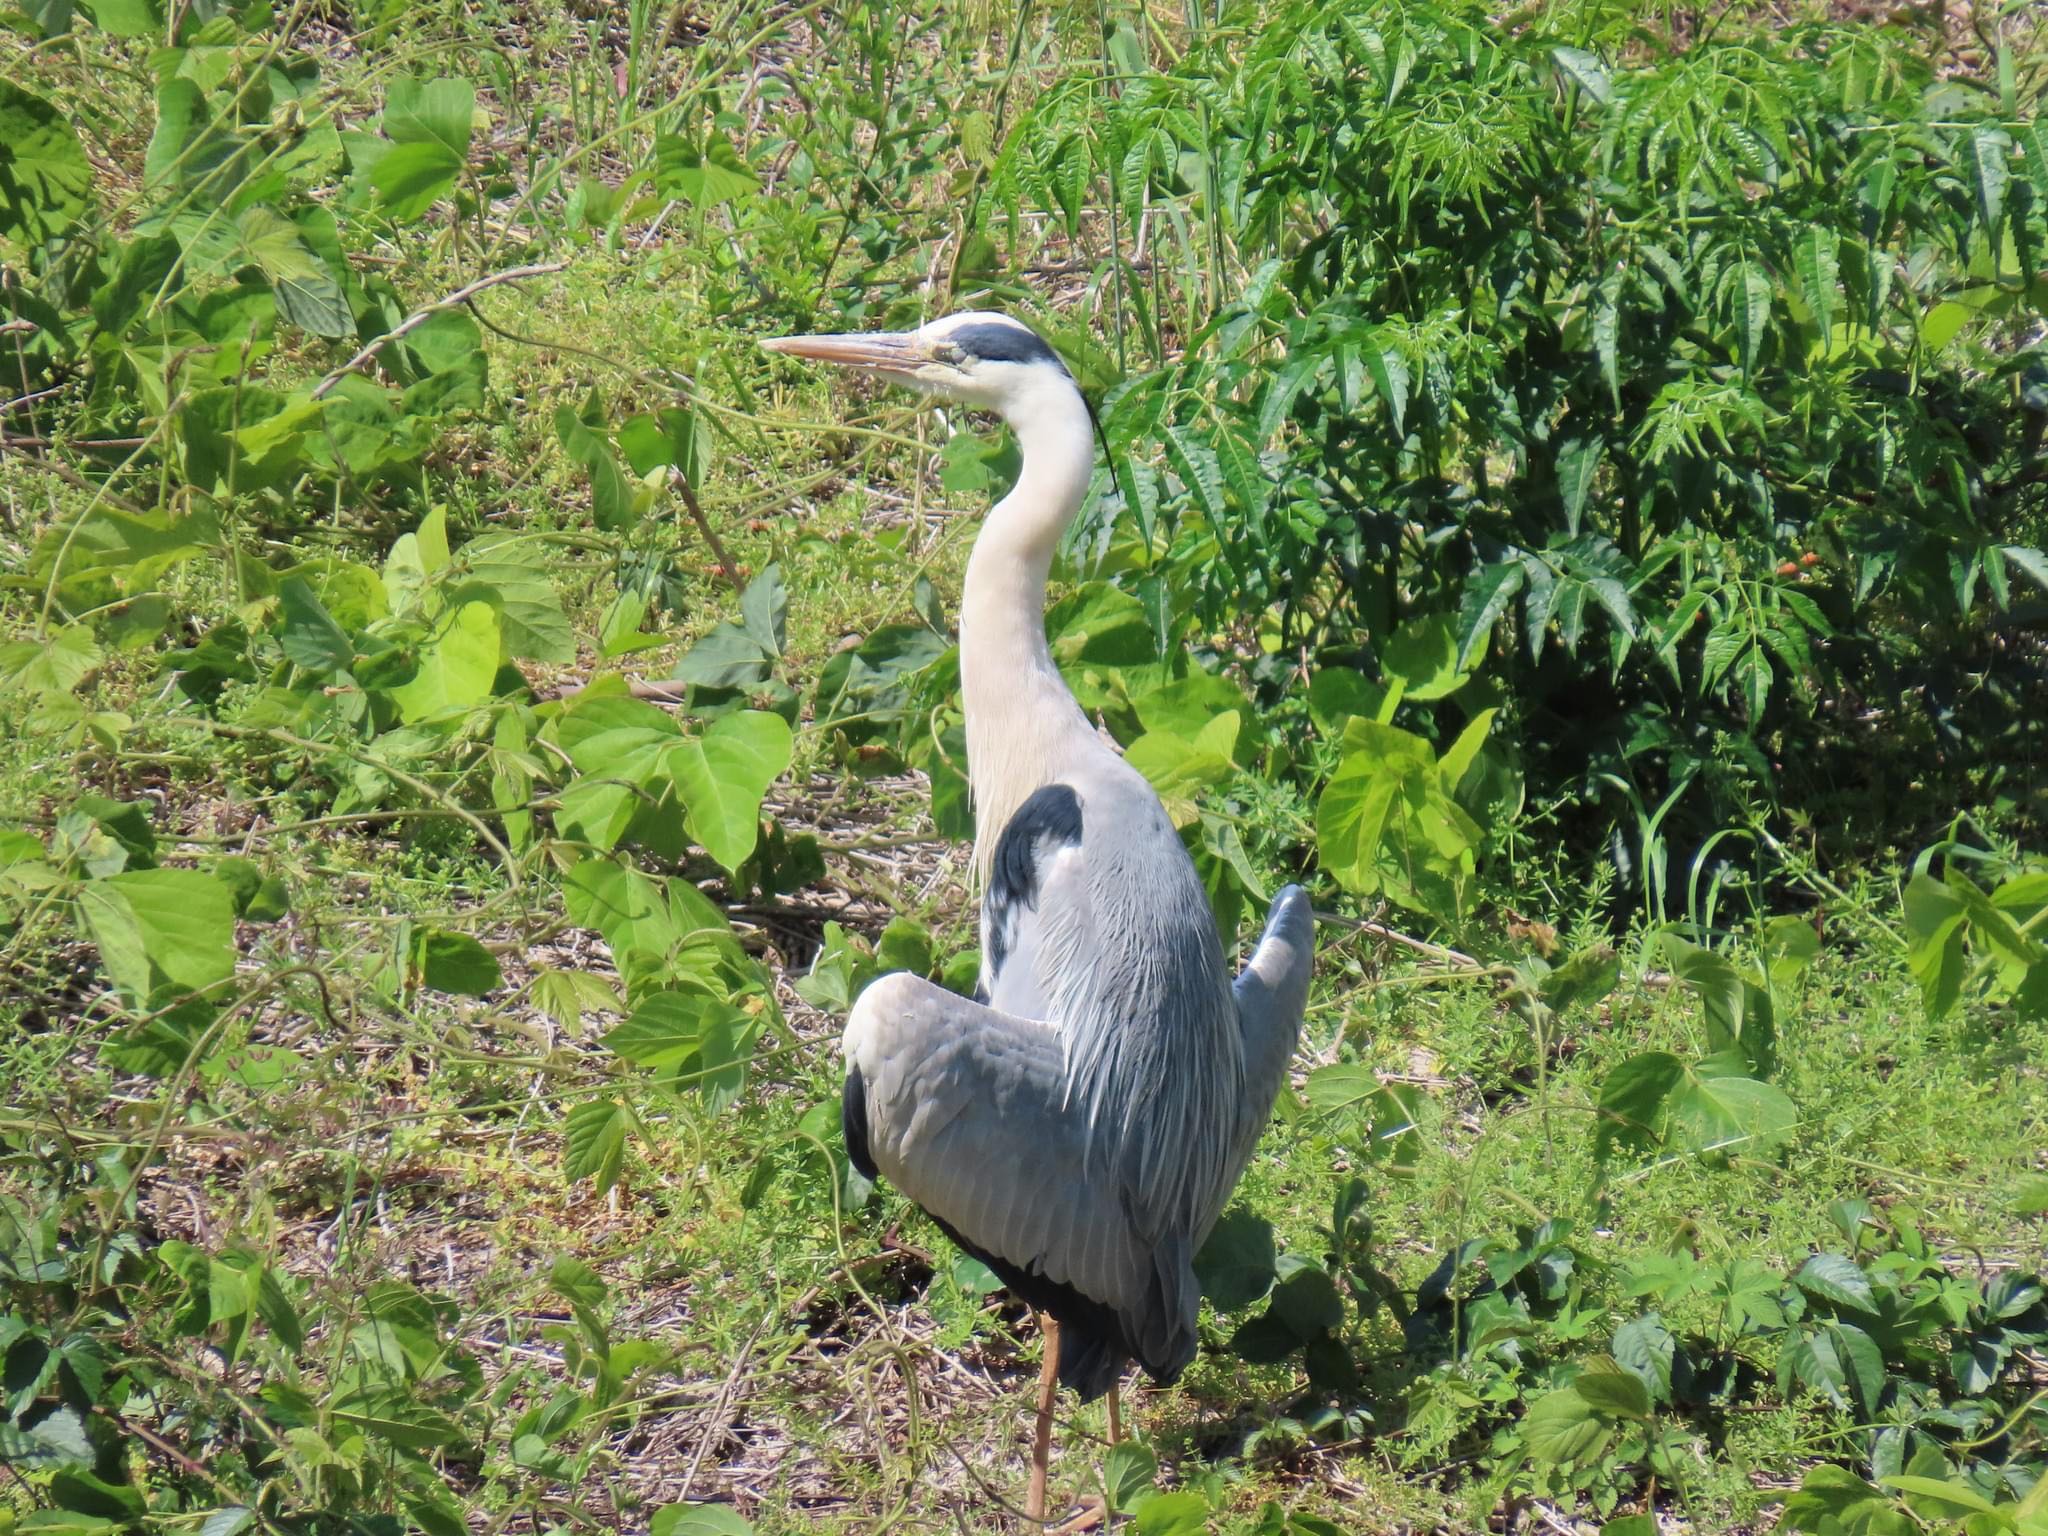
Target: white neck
<point>1022,722</point>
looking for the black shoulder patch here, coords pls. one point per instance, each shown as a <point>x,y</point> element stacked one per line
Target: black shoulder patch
<point>853,1122</point>
<point>995,342</point>
<point>1050,818</point>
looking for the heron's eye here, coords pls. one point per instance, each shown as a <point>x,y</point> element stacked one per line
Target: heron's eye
<point>948,352</point>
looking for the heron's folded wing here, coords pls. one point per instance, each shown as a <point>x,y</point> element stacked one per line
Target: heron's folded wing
<point>962,1108</point>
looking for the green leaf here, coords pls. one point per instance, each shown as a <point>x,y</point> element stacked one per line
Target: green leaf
<point>1584,70</point>
<point>410,178</point>
<point>1562,1429</point>
<point>45,179</point>
<point>764,610</point>
<point>52,667</point>
<point>721,777</point>
<point>1833,1501</point>
<point>1989,154</point>
<point>162,933</point>
<point>1840,1280</point>
<point>514,576</point>
<point>1588,976</point>
<point>1612,1390</point>
<point>674,436</point>
<point>1814,255</point>
<point>1738,1013</point>
<point>1578,462</point>
<point>1752,296</point>
<point>1423,653</point>
<point>310,638</point>
<point>453,962</point>
<point>705,173</point>
<point>315,303</point>
<point>1936,921</point>
<point>1236,1265</point>
<point>1195,462</point>
<point>1948,1495</point>
<point>1488,591</point>
<point>1128,1473</point>
<point>611,498</point>
<point>565,996</point>
<point>456,669</point>
<point>668,1029</point>
<point>1713,1111</point>
<point>1308,1303</point>
<point>594,1142</point>
<point>439,112</point>
<point>697,1520</point>
<point>1389,370</point>
<point>2033,138</point>
<point>1607,332</point>
<point>1182,1513</point>
<point>726,657</point>
<point>1633,1101</point>
<point>127,18</point>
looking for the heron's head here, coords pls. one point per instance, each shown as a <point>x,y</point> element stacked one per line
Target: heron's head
<point>980,359</point>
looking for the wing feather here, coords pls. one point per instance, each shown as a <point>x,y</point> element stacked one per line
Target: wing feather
<point>965,1112</point>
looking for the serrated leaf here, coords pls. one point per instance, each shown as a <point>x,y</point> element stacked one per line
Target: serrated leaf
<point>1990,150</point>
<point>1578,462</point>
<point>1488,591</point>
<point>1562,1429</point>
<point>1607,333</point>
<point>1814,255</point>
<point>1586,71</point>
<point>1752,303</point>
<point>1614,1391</point>
<point>594,1142</point>
<point>1840,1280</point>
<point>1390,376</point>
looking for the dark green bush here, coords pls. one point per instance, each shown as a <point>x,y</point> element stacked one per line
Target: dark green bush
<point>1694,397</point>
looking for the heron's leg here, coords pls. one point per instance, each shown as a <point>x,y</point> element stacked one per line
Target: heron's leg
<point>1041,1436</point>
<point>1116,1419</point>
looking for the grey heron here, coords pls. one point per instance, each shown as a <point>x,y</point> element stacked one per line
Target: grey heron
<point>1080,1125</point>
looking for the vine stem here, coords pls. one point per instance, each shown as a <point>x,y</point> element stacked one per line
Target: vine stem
<point>420,317</point>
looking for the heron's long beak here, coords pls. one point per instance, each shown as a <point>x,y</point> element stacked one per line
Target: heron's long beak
<point>877,352</point>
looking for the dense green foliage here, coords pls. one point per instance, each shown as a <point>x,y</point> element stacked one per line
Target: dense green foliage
<point>1693,402</point>
<point>1565,467</point>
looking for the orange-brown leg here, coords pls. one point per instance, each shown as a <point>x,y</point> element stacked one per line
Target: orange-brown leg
<point>1041,1437</point>
<point>1116,1419</point>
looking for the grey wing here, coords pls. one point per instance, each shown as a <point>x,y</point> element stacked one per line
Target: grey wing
<point>964,1109</point>
<point>1271,993</point>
